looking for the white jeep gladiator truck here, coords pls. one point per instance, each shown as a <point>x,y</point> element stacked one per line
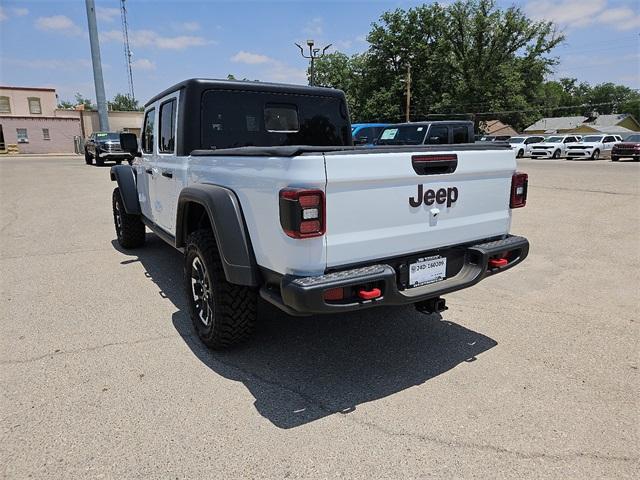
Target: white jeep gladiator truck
<point>261,188</point>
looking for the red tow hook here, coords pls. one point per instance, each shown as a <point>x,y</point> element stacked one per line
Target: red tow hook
<point>498,262</point>
<point>369,294</point>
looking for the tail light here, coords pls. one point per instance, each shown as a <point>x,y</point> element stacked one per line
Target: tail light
<point>302,212</point>
<point>519,184</point>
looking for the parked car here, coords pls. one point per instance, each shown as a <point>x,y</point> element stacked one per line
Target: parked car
<point>592,147</point>
<point>366,133</point>
<point>628,148</point>
<point>554,146</point>
<point>261,188</point>
<point>522,145</point>
<point>101,146</point>
<point>441,132</point>
<point>492,138</point>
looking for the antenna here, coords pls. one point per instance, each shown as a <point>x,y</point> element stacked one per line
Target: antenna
<point>127,50</point>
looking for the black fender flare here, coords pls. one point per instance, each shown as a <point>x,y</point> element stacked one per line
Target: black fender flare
<point>227,221</point>
<point>125,176</point>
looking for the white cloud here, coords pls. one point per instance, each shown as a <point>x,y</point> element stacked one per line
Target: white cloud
<point>150,38</point>
<point>189,26</point>
<point>250,58</point>
<point>5,13</point>
<point>280,72</point>
<point>583,13</point>
<point>58,23</point>
<point>143,64</point>
<point>107,14</point>
<point>314,26</point>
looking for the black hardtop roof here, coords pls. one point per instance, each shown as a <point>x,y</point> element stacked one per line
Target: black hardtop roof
<point>430,122</point>
<point>201,84</point>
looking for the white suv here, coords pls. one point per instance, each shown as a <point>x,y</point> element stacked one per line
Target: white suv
<point>522,145</point>
<point>593,147</point>
<point>555,146</point>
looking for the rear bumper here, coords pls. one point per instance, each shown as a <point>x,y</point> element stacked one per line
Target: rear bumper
<point>305,295</point>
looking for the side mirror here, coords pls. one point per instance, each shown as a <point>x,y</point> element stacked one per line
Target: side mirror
<point>129,144</point>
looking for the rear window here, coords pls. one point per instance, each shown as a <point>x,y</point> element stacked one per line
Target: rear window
<point>233,118</point>
<point>460,134</point>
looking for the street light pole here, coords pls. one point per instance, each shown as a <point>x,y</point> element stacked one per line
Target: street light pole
<point>314,53</point>
<point>101,98</point>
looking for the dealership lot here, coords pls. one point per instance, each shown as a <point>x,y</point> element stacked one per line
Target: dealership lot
<point>530,373</point>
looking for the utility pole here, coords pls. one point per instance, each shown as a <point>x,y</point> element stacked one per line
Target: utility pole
<point>408,113</point>
<point>314,53</point>
<point>98,81</point>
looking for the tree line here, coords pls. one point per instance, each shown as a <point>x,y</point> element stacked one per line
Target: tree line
<point>469,57</point>
<point>121,102</point>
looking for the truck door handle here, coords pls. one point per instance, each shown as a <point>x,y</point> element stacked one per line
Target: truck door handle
<point>149,171</point>
<point>167,173</point>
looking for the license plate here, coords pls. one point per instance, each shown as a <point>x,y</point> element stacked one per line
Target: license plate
<point>427,270</point>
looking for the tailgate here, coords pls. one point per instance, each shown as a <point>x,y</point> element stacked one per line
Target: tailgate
<point>373,209</point>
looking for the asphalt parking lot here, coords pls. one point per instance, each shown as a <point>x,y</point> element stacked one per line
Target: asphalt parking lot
<point>533,373</point>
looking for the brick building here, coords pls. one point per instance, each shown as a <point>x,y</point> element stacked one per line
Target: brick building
<point>30,122</point>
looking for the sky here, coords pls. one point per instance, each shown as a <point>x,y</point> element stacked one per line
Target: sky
<point>44,43</point>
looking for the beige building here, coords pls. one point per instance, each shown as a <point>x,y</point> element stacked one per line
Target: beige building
<point>30,122</point>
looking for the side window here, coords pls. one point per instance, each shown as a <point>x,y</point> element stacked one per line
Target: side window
<point>365,135</point>
<point>438,135</point>
<point>460,134</point>
<point>166,142</point>
<point>569,140</point>
<point>609,139</point>
<point>147,131</point>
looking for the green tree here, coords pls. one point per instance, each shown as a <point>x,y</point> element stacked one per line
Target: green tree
<point>467,57</point>
<point>81,100</point>
<point>124,103</point>
<point>66,105</point>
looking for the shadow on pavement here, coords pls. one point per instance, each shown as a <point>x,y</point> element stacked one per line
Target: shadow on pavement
<point>302,369</point>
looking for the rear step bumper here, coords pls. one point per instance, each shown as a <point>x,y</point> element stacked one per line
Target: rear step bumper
<point>306,295</point>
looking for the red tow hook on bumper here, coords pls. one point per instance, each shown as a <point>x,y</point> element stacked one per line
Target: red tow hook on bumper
<point>498,262</point>
<point>369,294</point>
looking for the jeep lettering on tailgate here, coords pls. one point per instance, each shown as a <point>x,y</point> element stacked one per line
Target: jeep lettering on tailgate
<point>448,196</point>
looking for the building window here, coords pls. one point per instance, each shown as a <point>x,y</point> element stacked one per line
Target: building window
<point>22,135</point>
<point>45,134</point>
<point>5,106</point>
<point>34,106</point>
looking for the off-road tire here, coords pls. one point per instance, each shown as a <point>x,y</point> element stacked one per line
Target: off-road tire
<point>88,159</point>
<point>233,308</point>
<point>130,229</point>
<point>595,155</point>
<point>556,154</point>
<point>99,161</point>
